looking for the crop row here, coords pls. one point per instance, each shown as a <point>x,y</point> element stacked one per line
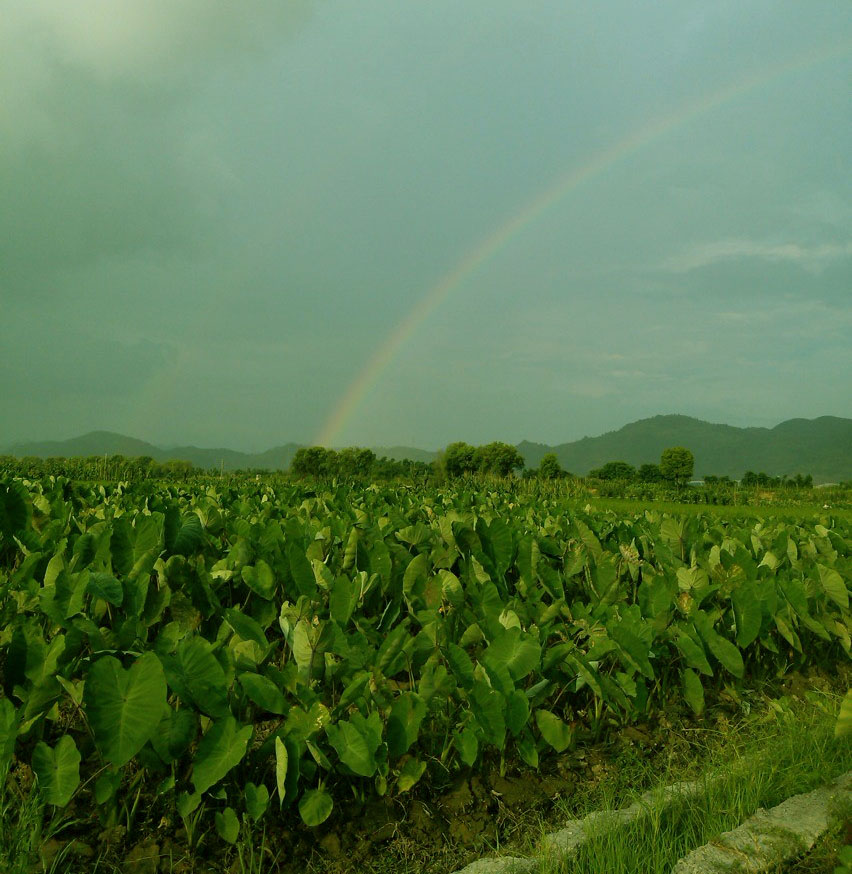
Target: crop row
<point>246,644</point>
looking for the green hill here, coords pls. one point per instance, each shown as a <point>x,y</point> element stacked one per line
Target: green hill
<point>821,447</point>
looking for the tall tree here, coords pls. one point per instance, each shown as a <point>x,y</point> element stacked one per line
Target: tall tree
<point>677,464</point>
<point>549,467</point>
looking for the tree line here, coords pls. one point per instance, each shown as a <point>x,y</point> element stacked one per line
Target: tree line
<point>458,459</point>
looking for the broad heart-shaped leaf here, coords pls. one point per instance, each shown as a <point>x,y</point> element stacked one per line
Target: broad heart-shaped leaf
<point>467,744</point>
<point>634,649</point>
<point>554,730</point>
<point>693,691</point>
<point>356,741</point>
<point>245,626</point>
<point>198,679</point>
<point>227,825</point>
<point>487,706</point>
<point>460,664</point>
<point>188,538</point>
<point>175,733</point>
<point>221,749</point>
<point>410,773</point>
<point>124,708</point>
<point>499,539</point>
<point>259,578</point>
<point>406,714</point>
<point>748,613</point>
<point>725,651</point>
<point>693,652</point>
<point>263,692</point>
<point>414,578</point>
<point>844,720</point>
<point>315,807</point>
<point>340,602</point>
<point>301,571</point>
<point>518,652</point>
<point>833,586</point>
<point>517,711</point>
<point>106,586</point>
<point>257,800</point>
<point>58,770</point>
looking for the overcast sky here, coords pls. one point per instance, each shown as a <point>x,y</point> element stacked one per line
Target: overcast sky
<point>213,215</point>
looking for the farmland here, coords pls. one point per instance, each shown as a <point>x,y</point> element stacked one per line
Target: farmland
<point>246,654</point>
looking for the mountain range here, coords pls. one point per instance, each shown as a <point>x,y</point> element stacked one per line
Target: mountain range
<point>821,447</point>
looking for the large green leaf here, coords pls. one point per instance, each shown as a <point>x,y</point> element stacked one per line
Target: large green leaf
<point>341,600</point>
<point>257,800</point>
<point>488,707</point>
<point>175,733</point>
<point>633,647</point>
<point>259,578</point>
<point>748,613</point>
<point>197,677</point>
<point>517,712</point>
<point>460,664</point>
<point>554,730</point>
<point>518,652</point>
<point>188,538</point>
<point>356,741</point>
<point>57,769</point>
<point>833,586</point>
<point>227,825</point>
<point>315,807</point>
<point>301,570</point>
<point>222,748</point>
<point>245,626</point>
<point>406,714</point>
<point>106,586</point>
<point>693,652</point>
<point>725,651</point>
<point>124,707</point>
<point>693,691</point>
<point>263,692</point>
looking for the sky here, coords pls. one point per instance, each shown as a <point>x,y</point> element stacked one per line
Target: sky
<point>375,223</point>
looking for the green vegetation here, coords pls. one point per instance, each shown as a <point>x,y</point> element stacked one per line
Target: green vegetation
<point>227,652</point>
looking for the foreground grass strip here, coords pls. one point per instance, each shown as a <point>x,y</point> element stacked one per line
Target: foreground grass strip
<point>770,837</point>
<point>566,842</point>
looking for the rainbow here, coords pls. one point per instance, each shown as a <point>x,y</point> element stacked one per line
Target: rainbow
<point>566,183</point>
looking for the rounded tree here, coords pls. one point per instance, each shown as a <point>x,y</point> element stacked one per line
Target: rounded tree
<point>677,464</point>
<point>549,467</point>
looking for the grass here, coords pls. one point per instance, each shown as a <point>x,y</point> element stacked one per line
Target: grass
<point>788,749</point>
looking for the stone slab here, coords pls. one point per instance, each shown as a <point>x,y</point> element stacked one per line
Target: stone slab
<point>770,837</point>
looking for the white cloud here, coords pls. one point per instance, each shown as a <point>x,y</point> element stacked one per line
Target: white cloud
<point>145,38</point>
<point>809,257</point>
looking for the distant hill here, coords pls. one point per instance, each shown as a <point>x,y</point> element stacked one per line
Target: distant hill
<point>109,443</point>
<point>399,453</point>
<point>821,447</point>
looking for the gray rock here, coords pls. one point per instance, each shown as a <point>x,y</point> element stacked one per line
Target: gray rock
<point>500,865</point>
<point>770,836</point>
